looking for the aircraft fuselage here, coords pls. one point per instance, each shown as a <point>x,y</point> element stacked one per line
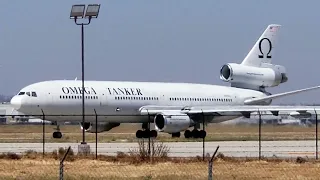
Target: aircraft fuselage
<point>120,102</point>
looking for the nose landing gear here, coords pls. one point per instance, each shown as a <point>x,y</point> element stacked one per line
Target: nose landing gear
<point>57,134</point>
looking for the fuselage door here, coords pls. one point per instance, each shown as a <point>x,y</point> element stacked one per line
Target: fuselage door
<point>104,98</point>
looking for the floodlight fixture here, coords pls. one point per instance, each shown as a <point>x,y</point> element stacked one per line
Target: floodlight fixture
<point>92,11</point>
<point>77,11</point>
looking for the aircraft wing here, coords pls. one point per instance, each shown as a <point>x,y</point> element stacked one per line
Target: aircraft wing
<point>222,110</point>
<point>235,110</point>
<point>153,110</point>
<point>253,101</point>
<point>244,108</point>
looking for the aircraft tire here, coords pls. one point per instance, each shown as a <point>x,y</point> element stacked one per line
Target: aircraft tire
<point>57,135</point>
<point>153,133</point>
<point>139,134</point>
<point>177,135</point>
<point>195,133</point>
<point>187,134</point>
<point>202,134</point>
<point>146,133</point>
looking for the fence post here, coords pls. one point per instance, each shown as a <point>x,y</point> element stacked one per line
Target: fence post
<point>316,133</point>
<point>210,171</point>
<point>210,166</point>
<point>43,134</point>
<point>259,134</point>
<point>61,171</point>
<point>149,133</point>
<point>203,139</point>
<point>61,164</point>
<point>95,112</point>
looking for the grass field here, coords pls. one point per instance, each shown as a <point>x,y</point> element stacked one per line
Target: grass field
<point>33,166</point>
<point>126,133</point>
<point>37,168</point>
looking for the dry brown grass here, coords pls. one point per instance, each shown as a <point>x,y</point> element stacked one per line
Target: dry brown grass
<point>105,168</point>
<point>126,133</point>
<point>32,165</point>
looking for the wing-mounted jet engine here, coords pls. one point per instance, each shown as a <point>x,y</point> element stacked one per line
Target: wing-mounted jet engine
<point>101,127</point>
<point>174,124</point>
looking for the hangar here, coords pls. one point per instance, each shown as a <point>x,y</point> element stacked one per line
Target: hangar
<point>9,115</point>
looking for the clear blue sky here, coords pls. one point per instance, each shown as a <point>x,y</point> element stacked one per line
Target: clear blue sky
<point>171,41</point>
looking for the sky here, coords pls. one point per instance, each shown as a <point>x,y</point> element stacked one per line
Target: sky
<point>166,41</point>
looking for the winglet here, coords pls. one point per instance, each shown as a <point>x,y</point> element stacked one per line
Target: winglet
<point>254,101</point>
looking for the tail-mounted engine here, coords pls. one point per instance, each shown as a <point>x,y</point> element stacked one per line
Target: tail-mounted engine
<point>267,75</point>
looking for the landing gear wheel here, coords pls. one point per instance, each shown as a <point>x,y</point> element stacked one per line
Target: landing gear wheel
<point>177,134</point>
<point>146,133</point>
<point>202,134</point>
<point>187,134</point>
<point>139,134</point>
<point>57,135</point>
<point>195,133</point>
<point>153,133</point>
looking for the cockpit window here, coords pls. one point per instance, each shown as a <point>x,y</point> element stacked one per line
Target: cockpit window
<point>34,94</point>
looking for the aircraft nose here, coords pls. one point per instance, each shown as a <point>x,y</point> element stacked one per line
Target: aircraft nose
<point>16,102</point>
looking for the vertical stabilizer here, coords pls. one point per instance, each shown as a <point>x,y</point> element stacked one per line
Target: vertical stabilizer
<point>263,49</point>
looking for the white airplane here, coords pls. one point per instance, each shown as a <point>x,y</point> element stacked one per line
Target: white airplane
<point>173,107</point>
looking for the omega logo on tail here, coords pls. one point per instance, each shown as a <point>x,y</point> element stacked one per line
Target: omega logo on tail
<point>270,48</point>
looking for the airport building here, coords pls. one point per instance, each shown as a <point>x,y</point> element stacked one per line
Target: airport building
<point>9,115</point>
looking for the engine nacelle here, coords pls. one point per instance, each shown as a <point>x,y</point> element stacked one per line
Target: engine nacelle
<point>267,76</point>
<point>300,114</point>
<point>101,127</point>
<point>172,123</point>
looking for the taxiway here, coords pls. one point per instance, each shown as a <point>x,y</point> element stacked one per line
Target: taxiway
<point>281,149</point>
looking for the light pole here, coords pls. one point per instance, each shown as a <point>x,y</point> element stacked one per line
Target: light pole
<point>78,12</point>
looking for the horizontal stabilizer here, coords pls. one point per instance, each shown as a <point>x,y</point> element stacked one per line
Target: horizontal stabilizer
<point>274,96</point>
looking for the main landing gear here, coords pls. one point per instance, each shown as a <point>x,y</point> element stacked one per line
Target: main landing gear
<point>195,133</point>
<point>146,133</point>
<point>191,134</point>
<point>57,134</point>
<point>176,135</point>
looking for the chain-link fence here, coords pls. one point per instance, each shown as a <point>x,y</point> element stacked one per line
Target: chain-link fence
<point>274,147</point>
<point>138,165</point>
